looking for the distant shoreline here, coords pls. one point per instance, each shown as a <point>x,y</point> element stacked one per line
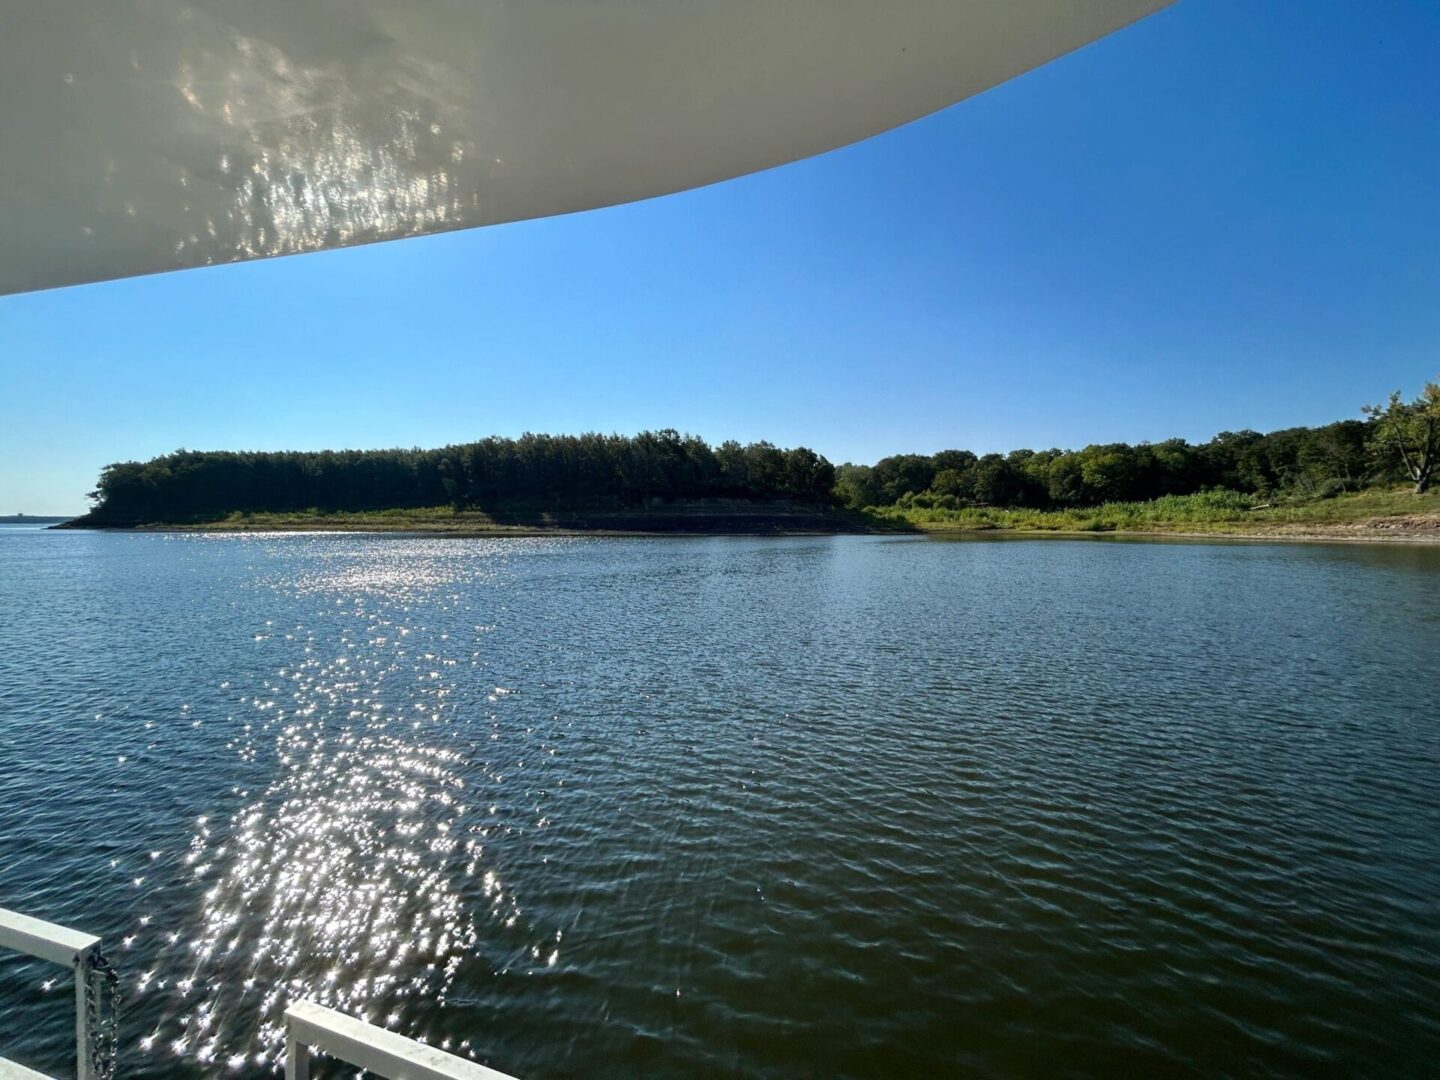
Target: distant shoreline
<point>1395,529</point>
<point>1312,535</point>
<point>685,518</point>
<point>1376,516</point>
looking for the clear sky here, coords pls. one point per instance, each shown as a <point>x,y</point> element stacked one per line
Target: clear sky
<point>1226,216</point>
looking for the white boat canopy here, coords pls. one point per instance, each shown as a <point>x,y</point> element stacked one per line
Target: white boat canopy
<point>139,136</point>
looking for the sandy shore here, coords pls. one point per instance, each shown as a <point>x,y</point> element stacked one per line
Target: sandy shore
<point>1411,529</point>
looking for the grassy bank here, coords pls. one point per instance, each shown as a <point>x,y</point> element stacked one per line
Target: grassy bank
<point>1377,514</point>
<point>1371,515</point>
<point>714,516</point>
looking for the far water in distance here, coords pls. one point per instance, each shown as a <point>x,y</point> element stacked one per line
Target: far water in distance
<point>838,806</point>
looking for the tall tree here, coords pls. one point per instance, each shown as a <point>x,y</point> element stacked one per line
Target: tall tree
<point>529,472</point>
<point>1411,431</point>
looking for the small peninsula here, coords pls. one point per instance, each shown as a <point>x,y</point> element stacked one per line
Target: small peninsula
<point>1353,479</point>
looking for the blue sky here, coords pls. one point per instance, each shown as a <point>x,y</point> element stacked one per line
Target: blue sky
<point>1226,216</point>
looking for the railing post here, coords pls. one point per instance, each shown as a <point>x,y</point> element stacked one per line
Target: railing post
<point>297,1058</point>
<point>63,947</point>
<point>84,1056</point>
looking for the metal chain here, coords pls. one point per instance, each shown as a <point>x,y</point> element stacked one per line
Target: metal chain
<point>102,989</point>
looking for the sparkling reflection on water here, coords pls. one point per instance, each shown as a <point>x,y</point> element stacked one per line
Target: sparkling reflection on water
<point>341,880</point>
<point>832,806</point>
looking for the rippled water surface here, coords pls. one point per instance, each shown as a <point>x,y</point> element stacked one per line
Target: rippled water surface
<point>798,807</point>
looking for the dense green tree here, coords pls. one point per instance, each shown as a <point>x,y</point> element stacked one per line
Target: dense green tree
<point>1410,431</point>
<point>1109,473</point>
<point>997,482</point>
<point>1300,462</point>
<point>959,460</point>
<point>902,473</point>
<point>856,487</point>
<point>534,470</point>
<point>1064,480</point>
<point>1400,440</point>
<point>958,483</point>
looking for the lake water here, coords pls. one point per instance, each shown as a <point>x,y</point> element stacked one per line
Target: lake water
<point>771,807</point>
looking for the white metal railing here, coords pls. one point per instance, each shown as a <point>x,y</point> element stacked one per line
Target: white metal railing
<point>67,948</point>
<point>309,1026</point>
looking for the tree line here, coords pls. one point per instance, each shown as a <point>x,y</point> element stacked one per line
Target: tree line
<point>1398,441</point>
<point>1304,461</point>
<point>531,471</point>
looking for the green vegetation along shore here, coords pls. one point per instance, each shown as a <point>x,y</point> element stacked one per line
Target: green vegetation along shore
<point>1353,478</point>
<point>712,517</point>
<point>1386,515</point>
<point>1374,515</point>
<point>567,474</point>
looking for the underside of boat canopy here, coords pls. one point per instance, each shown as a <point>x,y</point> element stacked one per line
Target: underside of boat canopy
<point>139,136</point>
